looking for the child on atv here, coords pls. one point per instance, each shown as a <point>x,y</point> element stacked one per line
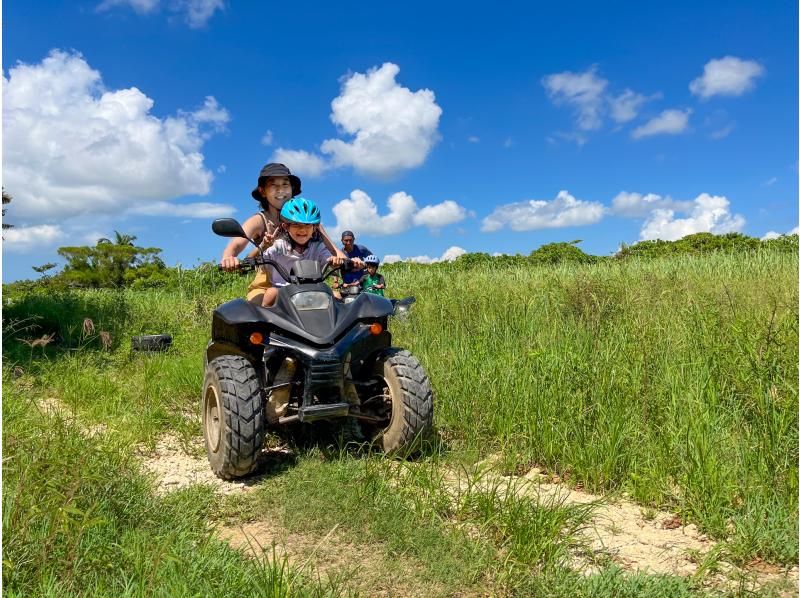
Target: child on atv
<point>371,282</point>
<point>276,185</point>
<point>299,218</point>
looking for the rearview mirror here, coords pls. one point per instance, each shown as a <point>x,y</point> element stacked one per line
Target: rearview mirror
<point>228,227</point>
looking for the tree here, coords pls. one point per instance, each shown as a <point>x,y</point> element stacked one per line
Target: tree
<point>6,199</point>
<point>110,264</point>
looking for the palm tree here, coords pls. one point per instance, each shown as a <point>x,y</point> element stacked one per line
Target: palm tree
<point>6,199</point>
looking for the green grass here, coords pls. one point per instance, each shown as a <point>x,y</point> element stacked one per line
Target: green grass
<point>78,518</point>
<point>673,380</point>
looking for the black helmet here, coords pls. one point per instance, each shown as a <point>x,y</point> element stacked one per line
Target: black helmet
<point>275,169</point>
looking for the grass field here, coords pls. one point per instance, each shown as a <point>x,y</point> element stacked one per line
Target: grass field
<point>671,382</point>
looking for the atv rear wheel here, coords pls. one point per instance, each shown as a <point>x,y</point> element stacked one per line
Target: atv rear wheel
<point>407,392</point>
<point>233,416</point>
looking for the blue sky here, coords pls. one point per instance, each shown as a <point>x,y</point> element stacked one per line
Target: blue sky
<point>428,128</point>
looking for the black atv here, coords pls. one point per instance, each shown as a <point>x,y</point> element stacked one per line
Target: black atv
<point>305,359</point>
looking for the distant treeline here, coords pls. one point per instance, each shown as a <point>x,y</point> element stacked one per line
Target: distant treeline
<point>121,264</point>
<point>696,244</point>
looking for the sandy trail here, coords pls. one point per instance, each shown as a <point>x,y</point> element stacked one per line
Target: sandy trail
<point>618,530</point>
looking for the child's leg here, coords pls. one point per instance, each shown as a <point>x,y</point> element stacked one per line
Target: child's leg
<point>270,295</point>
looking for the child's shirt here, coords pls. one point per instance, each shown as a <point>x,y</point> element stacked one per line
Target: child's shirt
<point>281,252</point>
<point>368,281</point>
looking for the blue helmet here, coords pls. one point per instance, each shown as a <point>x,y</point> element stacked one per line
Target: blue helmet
<point>300,211</point>
<point>372,260</point>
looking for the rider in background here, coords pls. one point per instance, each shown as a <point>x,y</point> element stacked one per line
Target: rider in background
<point>371,282</point>
<point>352,250</point>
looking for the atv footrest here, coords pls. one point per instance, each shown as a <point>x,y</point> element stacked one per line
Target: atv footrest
<point>315,412</point>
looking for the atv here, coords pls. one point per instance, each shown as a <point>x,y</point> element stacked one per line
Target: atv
<point>308,359</point>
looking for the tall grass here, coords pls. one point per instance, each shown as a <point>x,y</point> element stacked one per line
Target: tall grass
<point>79,519</point>
<point>673,380</point>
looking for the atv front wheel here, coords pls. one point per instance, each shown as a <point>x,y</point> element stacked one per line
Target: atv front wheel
<point>233,416</point>
<point>407,394</point>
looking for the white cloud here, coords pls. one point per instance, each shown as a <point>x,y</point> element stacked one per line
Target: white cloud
<point>709,213</point>
<point>300,162</point>
<point>582,91</point>
<point>669,122</point>
<point>79,149</point>
<point>199,209</point>
<point>636,205</point>
<point>773,235</point>
<point>508,142</point>
<point>27,239</point>
<point>723,132</point>
<point>450,255</point>
<point>728,76</point>
<point>359,213</point>
<point>267,139</point>
<point>474,139</point>
<point>139,6</point>
<point>625,107</point>
<point>394,129</point>
<point>196,13</point>
<point>564,210</point>
<point>770,182</point>
<point>439,215</point>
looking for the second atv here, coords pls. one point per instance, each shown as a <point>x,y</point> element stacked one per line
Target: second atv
<point>305,359</point>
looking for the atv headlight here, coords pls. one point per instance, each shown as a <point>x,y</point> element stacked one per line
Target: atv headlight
<point>402,306</point>
<point>311,300</point>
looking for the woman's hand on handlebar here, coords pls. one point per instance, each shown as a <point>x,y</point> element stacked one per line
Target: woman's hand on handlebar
<point>229,263</point>
<point>336,260</point>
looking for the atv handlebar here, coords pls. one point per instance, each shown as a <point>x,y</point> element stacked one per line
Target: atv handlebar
<point>251,263</point>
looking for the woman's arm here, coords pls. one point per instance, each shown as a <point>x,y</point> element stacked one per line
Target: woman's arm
<point>254,229</point>
<point>329,244</point>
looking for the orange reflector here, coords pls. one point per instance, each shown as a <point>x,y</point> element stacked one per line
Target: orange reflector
<point>256,338</point>
<point>375,328</point>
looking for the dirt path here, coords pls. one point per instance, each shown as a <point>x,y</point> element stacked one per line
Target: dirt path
<point>618,531</point>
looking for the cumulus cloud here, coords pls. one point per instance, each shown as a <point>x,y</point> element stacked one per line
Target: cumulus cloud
<point>300,162</point>
<point>359,213</point>
<point>638,205</point>
<point>199,209</point>
<point>582,91</point>
<point>392,128</point>
<point>72,147</point>
<point>439,215</point>
<point>474,139</point>
<point>728,76</point>
<point>709,213</point>
<point>27,239</point>
<point>564,210</point>
<point>266,139</point>
<point>195,13</point>
<point>450,255</point>
<point>773,235</point>
<point>669,122</point>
